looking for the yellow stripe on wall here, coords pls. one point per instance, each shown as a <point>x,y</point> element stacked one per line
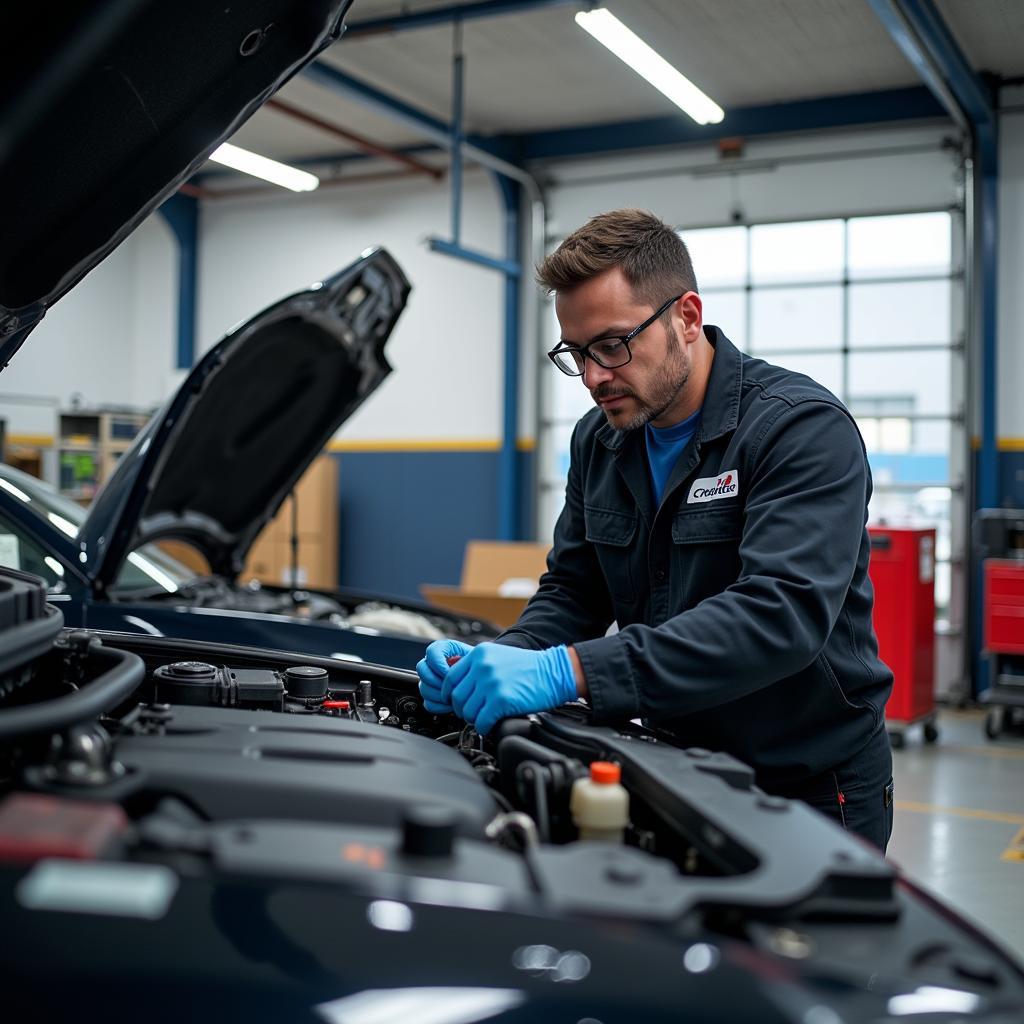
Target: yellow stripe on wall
<point>408,444</point>
<point>430,445</point>
<point>1003,444</point>
<point>31,440</point>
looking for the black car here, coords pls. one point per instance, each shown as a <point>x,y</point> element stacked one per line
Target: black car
<point>193,830</point>
<point>212,467</point>
<point>209,832</point>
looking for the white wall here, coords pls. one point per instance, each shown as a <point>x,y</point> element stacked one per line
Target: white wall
<point>154,342</point>
<point>862,172</point>
<point>694,188</point>
<point>447,348</point>
<point>113,338</point>
<point>110,340</point>
<point>1011,273</point>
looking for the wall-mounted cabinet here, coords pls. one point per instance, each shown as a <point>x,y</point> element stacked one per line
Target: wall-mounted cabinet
<point>89,443</point>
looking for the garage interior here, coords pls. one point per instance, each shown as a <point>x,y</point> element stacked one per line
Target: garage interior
<point>857,214</point>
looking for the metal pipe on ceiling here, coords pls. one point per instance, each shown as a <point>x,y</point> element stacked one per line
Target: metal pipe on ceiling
<point>361,143</point>
<point>477,150</point>
<point>426,125</point>
<point>458,87</point>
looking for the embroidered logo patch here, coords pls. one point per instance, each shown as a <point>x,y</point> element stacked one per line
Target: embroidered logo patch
<point>708,488</point>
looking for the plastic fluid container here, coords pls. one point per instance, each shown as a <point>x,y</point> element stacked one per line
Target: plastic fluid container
<point>600,804</point>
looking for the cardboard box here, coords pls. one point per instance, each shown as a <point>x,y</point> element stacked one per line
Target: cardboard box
<point>270,558</point>
<point>498,578</point>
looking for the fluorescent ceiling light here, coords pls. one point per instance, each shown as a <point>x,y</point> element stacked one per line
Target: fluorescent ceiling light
<point>265,168</point>
<point>648,64</point>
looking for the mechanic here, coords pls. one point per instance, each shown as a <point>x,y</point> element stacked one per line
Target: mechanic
<point>715,509</point>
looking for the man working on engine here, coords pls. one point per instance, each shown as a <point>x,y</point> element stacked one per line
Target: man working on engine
<point>715,509</point>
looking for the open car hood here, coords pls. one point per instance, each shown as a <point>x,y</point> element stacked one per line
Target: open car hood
<point>106,108</point>
<point>215,463</point>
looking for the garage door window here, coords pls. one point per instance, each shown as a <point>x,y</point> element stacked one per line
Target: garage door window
<point>867,307</point>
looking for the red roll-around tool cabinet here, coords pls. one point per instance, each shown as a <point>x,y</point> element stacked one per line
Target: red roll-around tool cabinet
<point>902,571</point>
<point>1004,639</point>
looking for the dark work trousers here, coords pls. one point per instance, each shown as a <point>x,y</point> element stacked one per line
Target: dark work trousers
<point>856,794</point>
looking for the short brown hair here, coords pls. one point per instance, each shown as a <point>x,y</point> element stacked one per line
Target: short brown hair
<point>652,256</point>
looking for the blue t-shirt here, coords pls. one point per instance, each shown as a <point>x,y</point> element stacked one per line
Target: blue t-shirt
<point>664,446</point>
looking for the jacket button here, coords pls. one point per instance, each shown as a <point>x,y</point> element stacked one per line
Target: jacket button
<point>659,575</point>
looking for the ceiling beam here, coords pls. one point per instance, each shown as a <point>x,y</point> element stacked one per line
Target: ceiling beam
<point>915,103</point>
<point>918,30</point>
<point>452,13</point>
<point>489,152</point>
<point>891,105</point>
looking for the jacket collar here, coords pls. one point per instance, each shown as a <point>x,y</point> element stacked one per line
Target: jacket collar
<point>721,409</point>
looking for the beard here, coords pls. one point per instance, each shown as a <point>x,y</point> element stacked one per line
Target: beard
<point>669,380</point>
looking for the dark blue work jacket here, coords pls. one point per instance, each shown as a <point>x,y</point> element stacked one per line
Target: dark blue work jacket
<point>743,600</point>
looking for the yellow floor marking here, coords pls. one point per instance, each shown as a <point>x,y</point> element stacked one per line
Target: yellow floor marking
<point>1015,851</point>
<point>960,812</point>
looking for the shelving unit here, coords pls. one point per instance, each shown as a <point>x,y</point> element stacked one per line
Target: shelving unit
<point>89,443</point>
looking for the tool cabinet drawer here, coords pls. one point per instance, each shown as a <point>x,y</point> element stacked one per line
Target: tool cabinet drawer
<point>1004,606</point>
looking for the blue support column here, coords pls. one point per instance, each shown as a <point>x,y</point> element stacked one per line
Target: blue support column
<point>182,215</point>
<point>509,483</point>
<point>451,137</point>
<point>988,463</point>
<point>918,29</point>
<point>458,65</point>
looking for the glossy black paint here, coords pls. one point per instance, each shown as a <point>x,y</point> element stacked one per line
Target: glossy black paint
<point>213,466</point>
<point>107,108</point>
<point>275,911</point>
<point>182,615</point>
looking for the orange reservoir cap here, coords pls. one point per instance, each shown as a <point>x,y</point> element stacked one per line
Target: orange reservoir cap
<point>605,773</point>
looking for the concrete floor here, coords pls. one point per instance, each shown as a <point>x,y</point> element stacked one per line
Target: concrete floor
<point>959,821</point>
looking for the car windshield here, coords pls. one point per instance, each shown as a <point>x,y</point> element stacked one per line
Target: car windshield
<point>147,568</point>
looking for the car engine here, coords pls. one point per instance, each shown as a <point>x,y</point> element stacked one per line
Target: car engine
<point>218,831</point>
<point>340,609</point>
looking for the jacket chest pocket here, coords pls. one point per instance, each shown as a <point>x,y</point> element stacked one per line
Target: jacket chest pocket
<point>613,535</point>
<point>708,526</point>
<point>705,552</point>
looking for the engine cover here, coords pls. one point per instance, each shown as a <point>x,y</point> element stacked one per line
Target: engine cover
<point>231,764</point>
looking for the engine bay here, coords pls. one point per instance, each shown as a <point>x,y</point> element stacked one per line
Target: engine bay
<point>238,774</point>
<point>347,611</point>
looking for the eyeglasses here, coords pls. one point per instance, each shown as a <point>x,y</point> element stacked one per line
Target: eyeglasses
<point>607,352</point>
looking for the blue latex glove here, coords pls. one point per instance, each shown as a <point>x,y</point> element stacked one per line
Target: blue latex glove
<point>494,681</point>
<point>433,668</point>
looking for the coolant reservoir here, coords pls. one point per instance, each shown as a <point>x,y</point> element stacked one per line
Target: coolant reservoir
<point>600,804</point>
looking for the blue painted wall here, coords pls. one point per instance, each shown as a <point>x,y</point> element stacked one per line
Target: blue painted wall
<point>1011,479</point>
<point>405,516</point>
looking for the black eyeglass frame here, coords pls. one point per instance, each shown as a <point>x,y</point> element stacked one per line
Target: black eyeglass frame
<point>624,339</point>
